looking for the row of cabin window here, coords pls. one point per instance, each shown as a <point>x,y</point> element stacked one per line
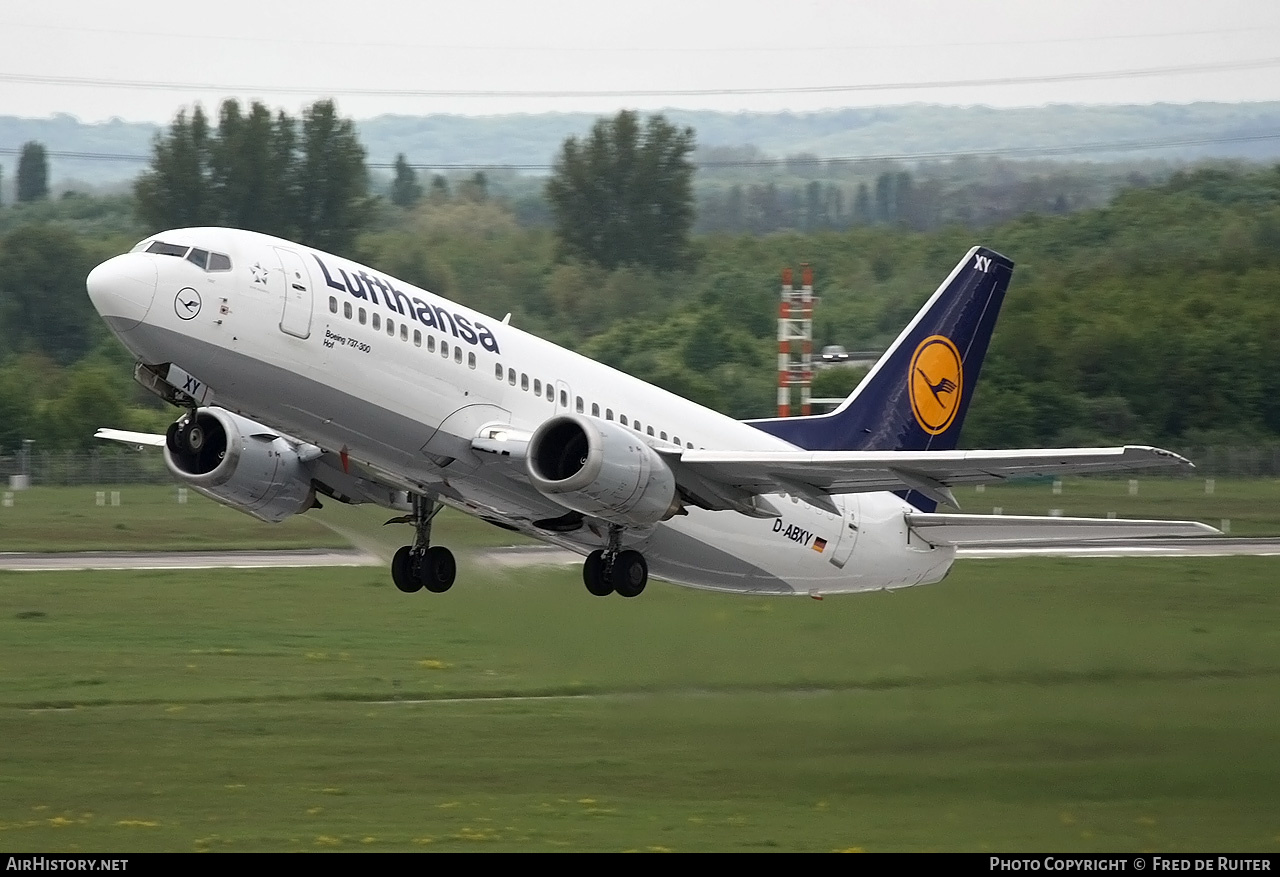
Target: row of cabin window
<point>375,322</point>
<point>579,405</point>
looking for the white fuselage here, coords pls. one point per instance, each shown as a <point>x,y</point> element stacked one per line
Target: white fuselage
<point>348,358</point>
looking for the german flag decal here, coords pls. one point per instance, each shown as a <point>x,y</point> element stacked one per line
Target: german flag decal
<point>819,544</point>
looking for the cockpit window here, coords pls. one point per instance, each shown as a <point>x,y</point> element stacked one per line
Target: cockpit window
<point>167,249</point>
<point>219,262</point>
<point>198,257</point>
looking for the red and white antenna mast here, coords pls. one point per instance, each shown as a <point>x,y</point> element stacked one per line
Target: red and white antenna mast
<point>795,340</point>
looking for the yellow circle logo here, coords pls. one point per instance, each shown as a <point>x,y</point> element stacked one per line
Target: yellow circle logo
<point>936,383</point>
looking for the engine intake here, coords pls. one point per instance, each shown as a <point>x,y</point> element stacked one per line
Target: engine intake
<point>602,469</point>
<point>239,463</point>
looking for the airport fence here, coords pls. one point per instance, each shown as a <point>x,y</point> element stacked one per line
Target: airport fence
<point>111,466</point>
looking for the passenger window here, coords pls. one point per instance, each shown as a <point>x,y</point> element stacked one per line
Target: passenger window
<point>649,430</point>
<point>537,387</point>
<point>675,439</point>
<point>579,405</point>
<point>595,409</point>
<point>511,376</point>
<point>636,425</point>
<point>551,393</point>
<point>376,321</point>
<point>524,382</point>
<point>391,327</point>
<point>431,344</point>
<point>198,257</point>
<point>346,309</point>
<point>362,316</point>
<point>333,305</point>
<point>219,262</point>
<point>497,371</point>
<point>404,331</point>
<point>662,436</point>
<point>622,418</point>
<point>457,354</point>
<point>444,349</point>
<point>417,337</point>
<point>608,414</point>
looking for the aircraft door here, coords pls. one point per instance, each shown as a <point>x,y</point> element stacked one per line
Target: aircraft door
<point>564,398</point>
<point>848,504</point>
<point>296,318</point>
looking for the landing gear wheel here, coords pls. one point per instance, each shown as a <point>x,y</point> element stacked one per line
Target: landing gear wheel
<point>593,575</point>
<point>194,438</point>
<point>438,569</point>
<point>402,571</point>
<point>630,573</point>
<point>185,436</point>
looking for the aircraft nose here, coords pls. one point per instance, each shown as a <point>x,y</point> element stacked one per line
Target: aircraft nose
<point>122,288</point>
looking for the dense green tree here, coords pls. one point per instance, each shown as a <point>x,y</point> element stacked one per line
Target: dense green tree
<point>624,195</point>
<point>250,169</point>
<point>405,188</point>
<point>43,306</point>
<point>176,192</point>
<point>33,172</point>
<point>261,173</point>
<point>330,179</point>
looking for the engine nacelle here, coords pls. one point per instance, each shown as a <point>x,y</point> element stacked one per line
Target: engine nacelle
<point>602,469</point>
<point>240,463</point>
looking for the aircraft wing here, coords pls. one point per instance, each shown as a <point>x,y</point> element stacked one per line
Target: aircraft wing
<point>129,437</point>
<point>815,475</point>
<point>1013,529</point>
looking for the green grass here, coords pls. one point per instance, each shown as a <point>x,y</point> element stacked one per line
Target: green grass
<point>149,517</point>
<point>1252,505</point>
<point>1020,705</point>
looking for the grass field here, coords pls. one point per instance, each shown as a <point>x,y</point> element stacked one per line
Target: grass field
<point>149,516</point>
<point>1250,505</point>
<point>1030,705</point>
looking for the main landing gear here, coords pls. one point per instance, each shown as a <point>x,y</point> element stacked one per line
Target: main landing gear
<point>613,569</point>
<point>423,565</point>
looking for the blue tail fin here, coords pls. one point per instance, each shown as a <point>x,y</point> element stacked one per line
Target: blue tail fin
<point>915,398</point>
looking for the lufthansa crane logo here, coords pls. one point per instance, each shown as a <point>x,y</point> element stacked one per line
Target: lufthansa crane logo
<point>936,382</point>
<point>186,304</point>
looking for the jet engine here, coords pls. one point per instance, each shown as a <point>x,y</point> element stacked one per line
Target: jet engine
<point>239,463</point>
<point>602,469</point>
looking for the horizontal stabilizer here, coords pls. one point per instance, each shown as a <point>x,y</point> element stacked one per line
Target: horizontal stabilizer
<point>1008,529</point>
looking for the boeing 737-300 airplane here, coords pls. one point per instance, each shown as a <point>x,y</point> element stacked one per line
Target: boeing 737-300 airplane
<point>304,374</point>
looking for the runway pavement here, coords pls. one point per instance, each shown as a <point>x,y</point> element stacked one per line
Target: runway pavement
<point>35,562</point>
<point>540,555</point>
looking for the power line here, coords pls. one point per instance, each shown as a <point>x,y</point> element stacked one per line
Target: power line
<point>157,85</point>
<point>611,49</point>
<point>807,161</point>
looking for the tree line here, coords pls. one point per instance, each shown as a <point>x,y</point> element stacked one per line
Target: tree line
<point>1152,318</point>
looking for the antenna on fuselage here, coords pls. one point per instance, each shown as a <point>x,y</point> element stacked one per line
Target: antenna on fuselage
<point>507,318</point>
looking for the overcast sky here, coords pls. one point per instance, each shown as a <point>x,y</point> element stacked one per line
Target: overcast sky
<point>143,61</point>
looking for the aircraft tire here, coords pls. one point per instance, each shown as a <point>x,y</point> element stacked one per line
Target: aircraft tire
<point>438,569</point>
<point>630,573</point>
<point>593,575</point>
<point>402,571</point>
